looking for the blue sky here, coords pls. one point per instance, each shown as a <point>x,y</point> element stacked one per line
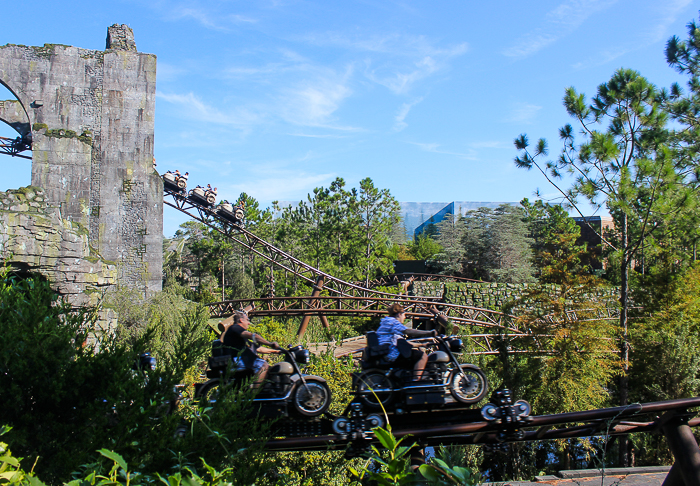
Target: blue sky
<point>276,97</point>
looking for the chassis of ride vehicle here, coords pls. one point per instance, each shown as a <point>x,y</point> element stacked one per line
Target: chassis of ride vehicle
<point>234,214</point>
<point>174,182</point>
<point>286,391</point>
<point>203,196</point>
<point>381,385</point>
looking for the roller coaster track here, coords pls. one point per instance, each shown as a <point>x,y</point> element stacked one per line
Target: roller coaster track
<point>469,427</point>
<point>285,261</point>
<point>15,146</point>
<point>468,317</point>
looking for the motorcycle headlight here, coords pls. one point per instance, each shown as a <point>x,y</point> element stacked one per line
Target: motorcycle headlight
<point>456,345</point>
<point>147,362</point>
<point>302,356</point>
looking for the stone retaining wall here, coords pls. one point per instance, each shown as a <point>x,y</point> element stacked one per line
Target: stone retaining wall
<point>491,295</point>
<point>35,238</point>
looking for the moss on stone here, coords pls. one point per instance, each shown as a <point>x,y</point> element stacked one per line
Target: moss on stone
<point>88,54</point>
<point>85,137</point>
<point>39,126</point>
<point>46,51</point>
<point>27,189</point>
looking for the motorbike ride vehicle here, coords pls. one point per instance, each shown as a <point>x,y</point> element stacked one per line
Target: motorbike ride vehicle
<point>445,382</point>
<point>234,214</point>
<point>285,392</point>
<point>203,196</point>
<point>175,182</point>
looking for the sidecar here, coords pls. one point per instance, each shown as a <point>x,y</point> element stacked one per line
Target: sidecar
<point>202,196</point>
<point>174,182</point>
<point>234,214</point>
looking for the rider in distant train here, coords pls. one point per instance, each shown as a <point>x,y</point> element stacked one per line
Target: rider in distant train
<point>391,329</point>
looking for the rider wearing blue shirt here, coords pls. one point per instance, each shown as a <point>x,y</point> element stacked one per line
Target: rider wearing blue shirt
<point>391,329</point>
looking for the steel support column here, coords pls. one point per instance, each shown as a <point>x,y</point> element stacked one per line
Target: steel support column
<point>681,441</point>
<point>312,303</point>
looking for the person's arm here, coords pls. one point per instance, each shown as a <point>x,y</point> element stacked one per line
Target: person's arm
<point>259,340</point>
<point>417,333</point>
<point>264,350</point>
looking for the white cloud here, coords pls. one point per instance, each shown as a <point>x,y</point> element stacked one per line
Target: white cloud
<point>281,186</point>
<point>394,61</point>
<point>202,13</point>
<point>193,108</point>
<point>561,21</point>
<point>400,118</point>
<point>602,58</point>
<point>435,148</point>
<point>523,113</point>
<point>313,101</point>
<point>316,135</point>
<point>668,12</point>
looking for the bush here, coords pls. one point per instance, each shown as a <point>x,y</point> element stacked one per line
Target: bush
<point>74,389</point>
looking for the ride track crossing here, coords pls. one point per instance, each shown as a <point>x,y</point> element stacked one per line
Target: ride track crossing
<point>495,423</point>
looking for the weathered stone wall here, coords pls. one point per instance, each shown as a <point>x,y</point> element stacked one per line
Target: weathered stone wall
<point>34,237</point>
<point>91,119</point>
<point>491,295</point>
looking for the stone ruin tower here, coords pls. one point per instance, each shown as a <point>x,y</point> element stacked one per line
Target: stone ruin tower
<point>94,216</point>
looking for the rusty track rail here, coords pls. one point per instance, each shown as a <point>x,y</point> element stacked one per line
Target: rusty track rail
<point>347,298</point>
<point>465,316</point>
<point>269,252</point>
<point>15,146</point>
<point>607,421</point>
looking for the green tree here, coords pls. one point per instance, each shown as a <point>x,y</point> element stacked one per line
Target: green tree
<point>423,247</point>
<point>496,245</point>
<point>375,213</point>
<point>665,361</point>
<point>623,163</point>
<point>450,232</point>
<point>72,385</point>
<point>557,255</point>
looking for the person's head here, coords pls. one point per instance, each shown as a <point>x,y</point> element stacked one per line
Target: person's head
<point>394,310</point>
<point>241,318</point>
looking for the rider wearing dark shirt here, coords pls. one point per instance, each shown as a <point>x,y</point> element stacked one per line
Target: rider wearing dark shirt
<point>246,345</point>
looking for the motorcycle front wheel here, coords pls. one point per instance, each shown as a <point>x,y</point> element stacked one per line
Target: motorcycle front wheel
<point>313,399</point>
<point>209,392</point>
<point>470,390</point>
<point>375,389</point>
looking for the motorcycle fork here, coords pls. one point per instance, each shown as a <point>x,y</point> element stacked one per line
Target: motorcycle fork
<point>298,371</point>
<point>456,363</point>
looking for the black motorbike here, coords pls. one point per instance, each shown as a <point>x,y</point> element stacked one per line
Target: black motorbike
<point>286,391</point>
<point>445,381</point>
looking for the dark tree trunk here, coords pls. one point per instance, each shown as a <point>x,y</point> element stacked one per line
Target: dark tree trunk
<point>624,338</point>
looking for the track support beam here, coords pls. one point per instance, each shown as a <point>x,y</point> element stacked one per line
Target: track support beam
<point>312,303</point>
<point>686,468</point>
